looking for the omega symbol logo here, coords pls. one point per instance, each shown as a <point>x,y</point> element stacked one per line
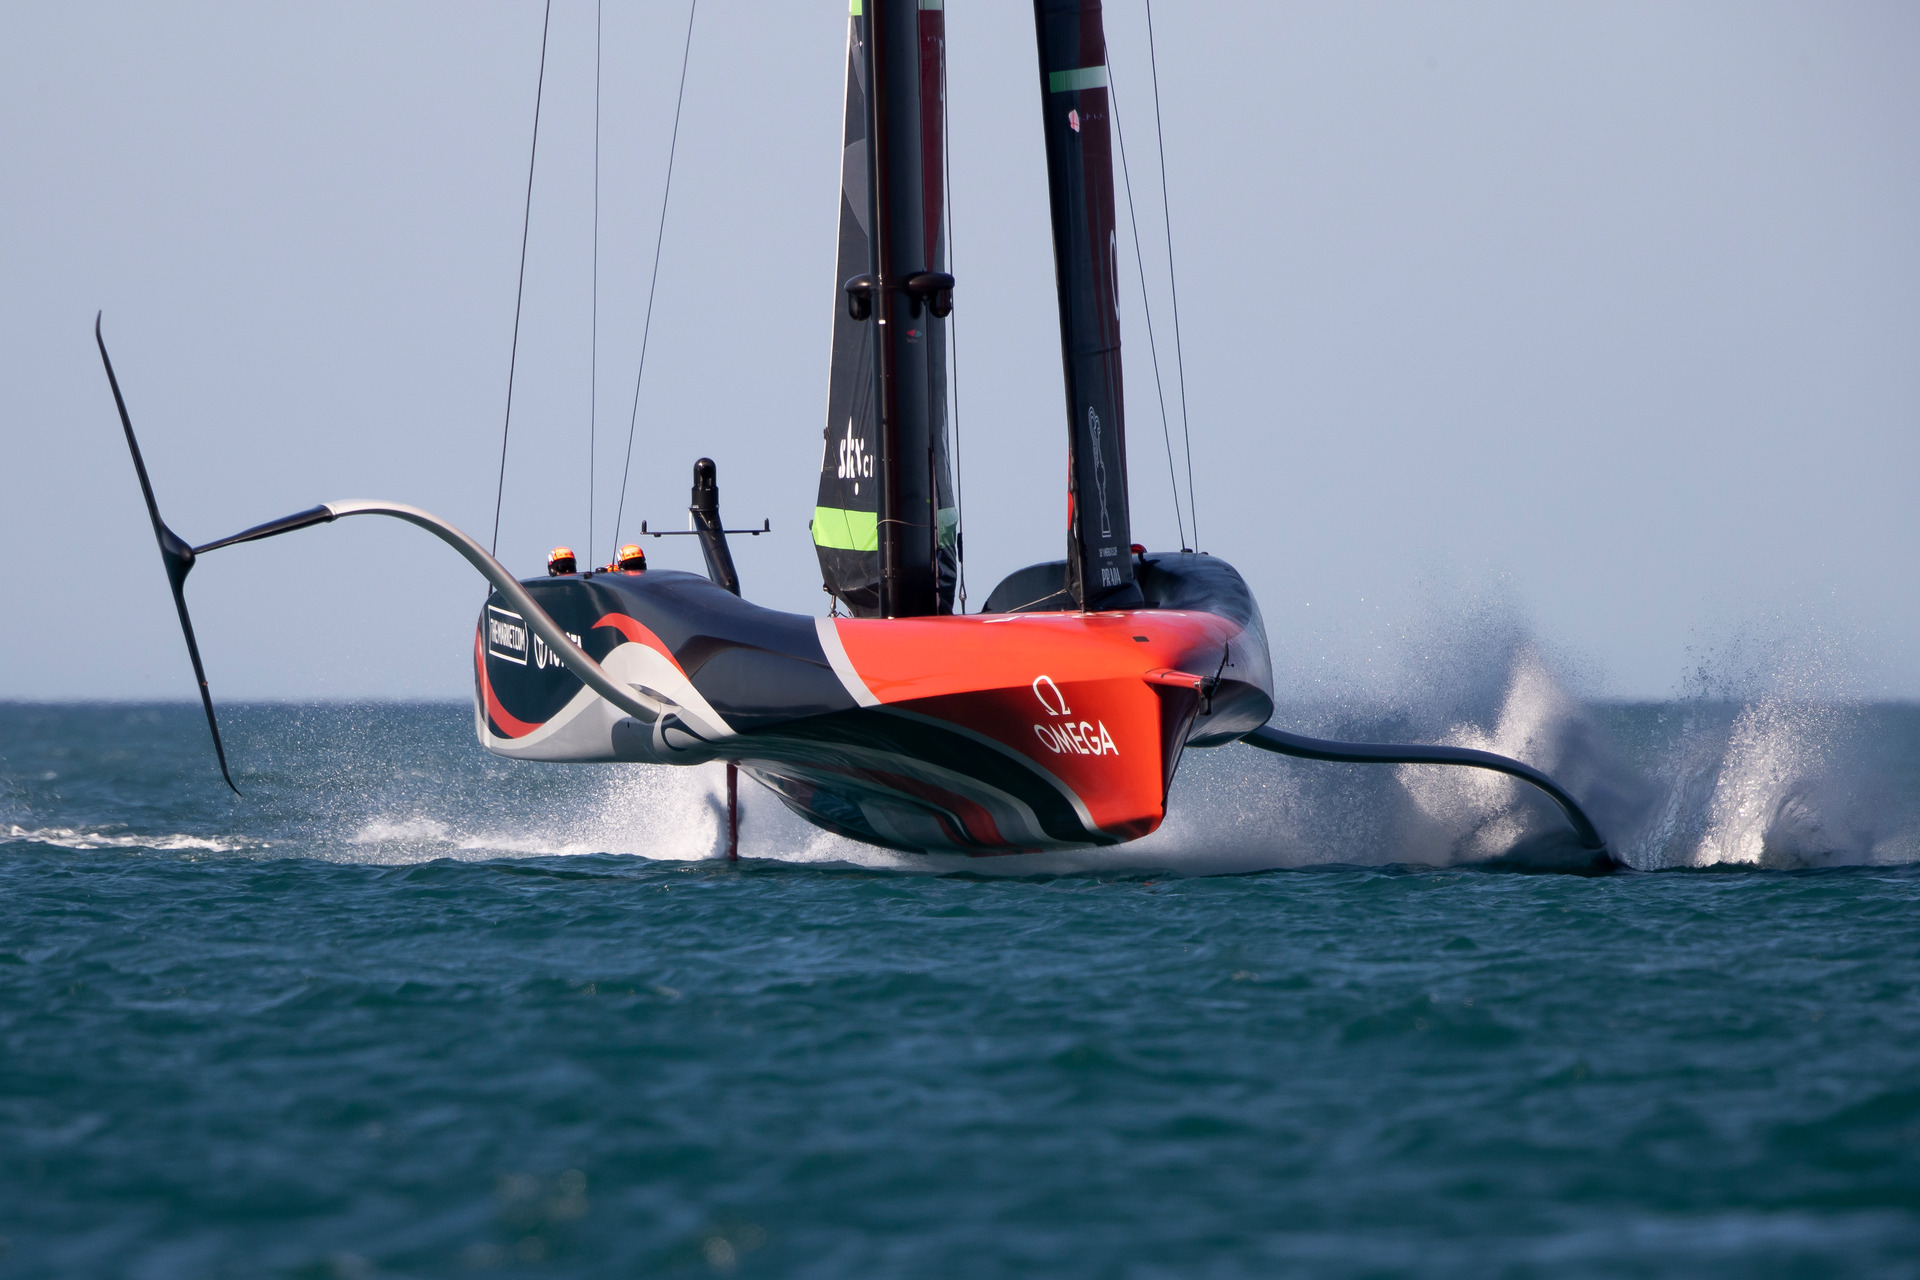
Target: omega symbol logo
<point>1050,696</point>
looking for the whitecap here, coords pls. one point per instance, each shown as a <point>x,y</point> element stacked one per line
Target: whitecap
<point>81,838</point>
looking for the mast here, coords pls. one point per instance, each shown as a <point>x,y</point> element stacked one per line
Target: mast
<point>1076,112</point>
<point>883,524</point>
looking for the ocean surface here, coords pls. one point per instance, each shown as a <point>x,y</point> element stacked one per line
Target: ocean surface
<point>407,1010</point>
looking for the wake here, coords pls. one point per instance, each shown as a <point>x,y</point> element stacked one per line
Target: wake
<point>1760,768</point>
<point>1768,781</point>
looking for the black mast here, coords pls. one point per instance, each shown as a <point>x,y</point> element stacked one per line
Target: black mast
<point>896,127</point>
<point>899,293</point>
<point>1073,86</point>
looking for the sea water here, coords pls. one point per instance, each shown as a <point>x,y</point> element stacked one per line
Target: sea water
<point>404,1009</point>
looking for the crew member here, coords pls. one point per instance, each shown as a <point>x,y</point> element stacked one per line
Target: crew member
<point>631,559</point>
<point>560,562</point>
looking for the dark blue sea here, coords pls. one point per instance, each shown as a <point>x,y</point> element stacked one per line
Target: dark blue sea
<point>407,1010</point>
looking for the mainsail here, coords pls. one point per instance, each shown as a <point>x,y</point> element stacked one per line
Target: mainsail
<point>1073,84</point>
<point>848,527</point>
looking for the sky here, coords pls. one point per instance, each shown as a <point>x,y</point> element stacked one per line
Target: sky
<point>1600,320</point>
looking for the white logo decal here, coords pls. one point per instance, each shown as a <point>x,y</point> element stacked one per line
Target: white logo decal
<point>506,636</point>
<point>856,463</point>
<point>1081,738</point>
<point>1099,472</point>
<point>544,657</point>
<point>1047,702</point>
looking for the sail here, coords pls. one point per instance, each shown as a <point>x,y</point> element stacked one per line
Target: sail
<point>844,518</point>
<point>847,516</point>
<point>1073,82</point>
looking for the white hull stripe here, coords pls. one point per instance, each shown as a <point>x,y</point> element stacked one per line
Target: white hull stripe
<point>841,664</point>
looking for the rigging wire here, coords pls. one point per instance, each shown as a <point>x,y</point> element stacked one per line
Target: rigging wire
<point>653,283</point>
<point>1173,284</point>
<point>1166,432</point>
<point>593,360</point>
<point>953,340</point>
<point>520,290</point>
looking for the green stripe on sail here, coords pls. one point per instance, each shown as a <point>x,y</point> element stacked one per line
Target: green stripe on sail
<point>843,530</point>
<point>949,518</point>
<point>1080,78</point>
<point>854,8</point>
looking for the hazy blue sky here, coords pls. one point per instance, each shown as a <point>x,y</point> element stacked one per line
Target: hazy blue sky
<point>1606,314</point>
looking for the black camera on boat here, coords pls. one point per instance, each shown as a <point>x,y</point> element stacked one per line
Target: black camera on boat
<point>859,297</point>
<point>932,290</point>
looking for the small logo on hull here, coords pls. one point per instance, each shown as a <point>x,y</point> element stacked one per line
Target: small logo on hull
<point>1085,738</point>
<point>544,655</point>
<point>506,636</point>
<point>1082,739</point>
<point>1049,694</point>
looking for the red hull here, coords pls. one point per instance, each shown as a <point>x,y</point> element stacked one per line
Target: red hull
<point>983,734</point>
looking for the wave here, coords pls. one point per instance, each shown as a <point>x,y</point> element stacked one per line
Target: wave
<point>1782,783</point>
<point>657,812</point>
<point>82,838</point>
<point>1771,780</point>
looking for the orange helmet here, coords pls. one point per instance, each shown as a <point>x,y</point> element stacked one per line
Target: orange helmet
<point>560,561</point>
<point>631,558</point>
